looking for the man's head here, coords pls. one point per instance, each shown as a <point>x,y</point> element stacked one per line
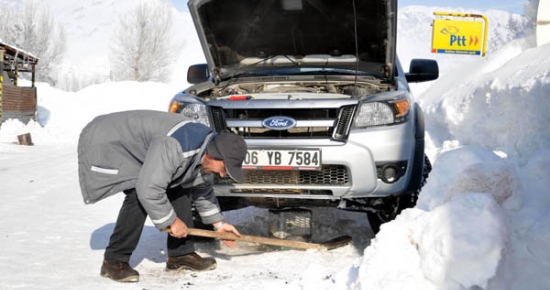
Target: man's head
<point>231,149</point>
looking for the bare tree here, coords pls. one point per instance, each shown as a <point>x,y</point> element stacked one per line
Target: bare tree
<point>42,38</point>
<point>7,29</point>
<point>142,48</point>
<point>33,29</point>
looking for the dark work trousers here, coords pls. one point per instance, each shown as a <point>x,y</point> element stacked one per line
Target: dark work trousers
<point>131,219</point>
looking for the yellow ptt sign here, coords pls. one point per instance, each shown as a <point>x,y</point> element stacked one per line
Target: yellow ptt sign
<point>459,36</point>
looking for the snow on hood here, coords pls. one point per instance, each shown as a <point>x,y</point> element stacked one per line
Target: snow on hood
<point>252,35</point>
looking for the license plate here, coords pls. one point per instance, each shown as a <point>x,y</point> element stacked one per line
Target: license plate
<point>283,159</point>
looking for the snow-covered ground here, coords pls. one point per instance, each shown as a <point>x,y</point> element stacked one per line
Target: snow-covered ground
<point>482,220</point>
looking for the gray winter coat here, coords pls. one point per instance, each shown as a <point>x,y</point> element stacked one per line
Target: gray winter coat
<point>149,151</point>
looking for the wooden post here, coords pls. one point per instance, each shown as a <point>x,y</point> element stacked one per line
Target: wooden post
<point>25,139</point>
<point>16,75</point>
<point>32,75</point>
<point>1,80</point>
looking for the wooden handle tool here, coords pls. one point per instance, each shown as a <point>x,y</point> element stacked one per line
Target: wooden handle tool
<point>329,245</point>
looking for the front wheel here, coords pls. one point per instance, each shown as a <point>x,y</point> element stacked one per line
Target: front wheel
<point>391,207</point>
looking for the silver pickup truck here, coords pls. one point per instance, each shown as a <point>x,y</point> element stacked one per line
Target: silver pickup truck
<point>316,90</point>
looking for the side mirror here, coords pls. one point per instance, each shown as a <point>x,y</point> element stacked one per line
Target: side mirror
<point>198,73</point>
<point>422,70</point>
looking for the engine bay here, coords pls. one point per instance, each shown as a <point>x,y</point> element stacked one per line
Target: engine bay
<point>348,88</point>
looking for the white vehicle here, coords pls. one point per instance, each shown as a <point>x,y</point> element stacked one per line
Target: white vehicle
<point>316,90</point>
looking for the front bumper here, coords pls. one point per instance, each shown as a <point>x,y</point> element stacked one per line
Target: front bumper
<point>350,169</point>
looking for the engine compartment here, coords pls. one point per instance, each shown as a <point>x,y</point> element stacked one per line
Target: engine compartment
<point>345,88</point>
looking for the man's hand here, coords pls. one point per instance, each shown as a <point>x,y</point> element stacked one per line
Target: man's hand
<point>228,228</point>
<point>178,229</point>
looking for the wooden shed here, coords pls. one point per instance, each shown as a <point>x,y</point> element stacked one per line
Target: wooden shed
<point>16,102</point>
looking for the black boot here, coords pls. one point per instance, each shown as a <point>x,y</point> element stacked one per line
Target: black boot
<point>191,261</point>
<point>119,271</point>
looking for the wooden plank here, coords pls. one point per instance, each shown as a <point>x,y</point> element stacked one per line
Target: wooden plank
<point>19,99</point>
<point>332,244</point>
<point>18,103</point>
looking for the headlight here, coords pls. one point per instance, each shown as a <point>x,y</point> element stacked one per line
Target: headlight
<point>194,111</point>
<point>381,113</point>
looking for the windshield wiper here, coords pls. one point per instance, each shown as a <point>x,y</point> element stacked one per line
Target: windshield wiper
<point>334,72</point>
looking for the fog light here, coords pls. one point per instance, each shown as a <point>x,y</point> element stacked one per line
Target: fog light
<point>390,173</point>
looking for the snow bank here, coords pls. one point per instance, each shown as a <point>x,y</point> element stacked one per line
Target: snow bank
<point>456,236</point>
<point>501,105</point>
<point>471,169</point>
<point>476,209</point>
<point>62,115</point>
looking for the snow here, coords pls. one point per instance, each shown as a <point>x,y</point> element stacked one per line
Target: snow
<point>481,222</point>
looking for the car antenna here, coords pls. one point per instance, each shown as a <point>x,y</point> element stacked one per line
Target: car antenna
<point>356,48</point>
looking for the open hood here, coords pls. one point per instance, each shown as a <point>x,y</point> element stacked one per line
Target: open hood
<point>241,36</point>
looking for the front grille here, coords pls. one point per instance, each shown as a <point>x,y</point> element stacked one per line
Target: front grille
<point>339,117</point>
<point>344,122</point>
<point>219,120</point>
<point>282,191</point>
<point>334,175</point>
<point>294,113</point>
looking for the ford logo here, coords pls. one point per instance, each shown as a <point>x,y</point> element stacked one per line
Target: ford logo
<point>279,123</point>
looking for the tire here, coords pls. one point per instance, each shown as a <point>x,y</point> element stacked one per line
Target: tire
<point>392,206</point>
<point>417,175</point>
<point>421,166</point>
<point>376,219</point>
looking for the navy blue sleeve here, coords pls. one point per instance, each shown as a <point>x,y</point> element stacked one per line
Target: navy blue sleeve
<point>191,136</point>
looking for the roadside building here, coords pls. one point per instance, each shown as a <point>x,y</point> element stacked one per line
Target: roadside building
<point>16,102</point>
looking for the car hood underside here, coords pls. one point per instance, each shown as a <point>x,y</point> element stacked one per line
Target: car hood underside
<point>253,35</point>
